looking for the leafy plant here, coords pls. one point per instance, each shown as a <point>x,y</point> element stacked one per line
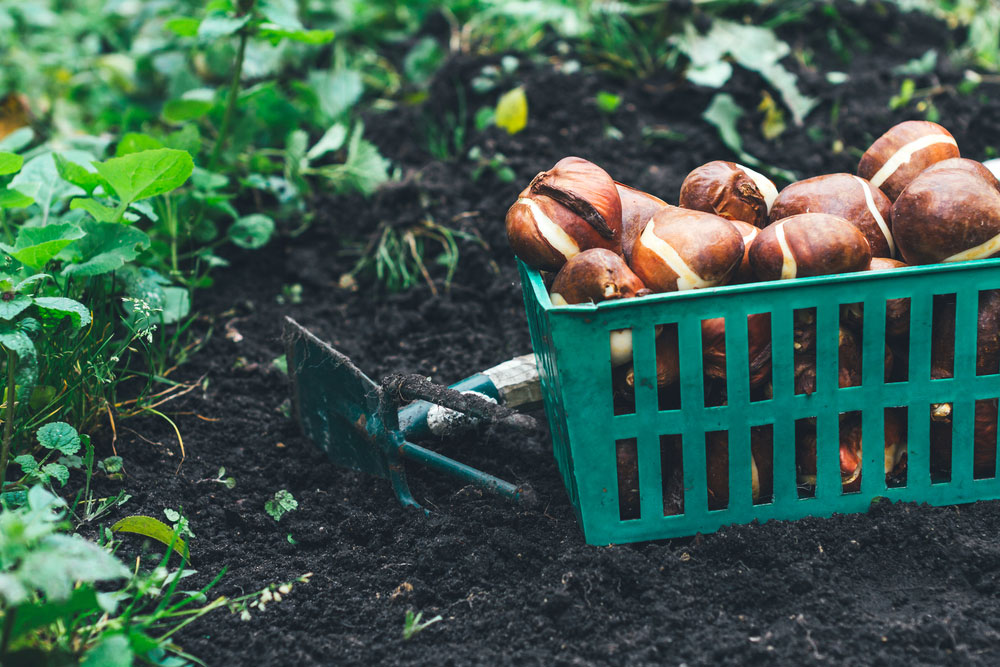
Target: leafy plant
<point>282,503</point>
<point>67,600</point>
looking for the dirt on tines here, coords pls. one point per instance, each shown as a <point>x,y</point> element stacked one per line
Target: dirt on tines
<point>900,585</point>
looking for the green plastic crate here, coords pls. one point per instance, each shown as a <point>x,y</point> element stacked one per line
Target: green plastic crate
<point>572,349</point>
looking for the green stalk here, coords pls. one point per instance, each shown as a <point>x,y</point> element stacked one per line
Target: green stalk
<point>8,424</point>
<point>234,93</point>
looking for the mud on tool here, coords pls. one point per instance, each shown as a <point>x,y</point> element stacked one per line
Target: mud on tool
<point>359,424</point>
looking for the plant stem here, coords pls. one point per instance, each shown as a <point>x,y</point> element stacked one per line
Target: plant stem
<point>8,423</point>
<point>234,93</point>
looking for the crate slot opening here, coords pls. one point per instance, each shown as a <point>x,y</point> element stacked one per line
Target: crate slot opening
<point>672,474</point>
<point>627,460</point>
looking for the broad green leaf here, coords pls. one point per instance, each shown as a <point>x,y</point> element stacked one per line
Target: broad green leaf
<point>189,107</point>
<point>14,305</point>
<point>60,436</point>
<point>608,102</point>
<point>146,174</point>
<point>112,464</point>
<point>17,342</point>
<point>219,25</point>
<point>252,231</point>
<point>114,650</point>
<point>60,561</point>
<point>136,142</point>
<point>512,111</point>
<point>183,26</point>
<point>17,139</point>
<point>39,178</point>
<point>311,37</point>
<point>27,462</point>
<point>154,529</point>
<point>336,91</point>
<point>364,170</point>
<point>40,614</point>
<point>755,48</point>
<point>282,503</point>
<point>57,307</point>
<point>331,140</point>
<point>36,246</point>
<point>10,163</point>
<point>77,174</point>
<point>187,138</point>
<point>105,247</point>
<point>100,212</point>
<point>15,199</point>
<point>176,305</point>
<point>56,471</point>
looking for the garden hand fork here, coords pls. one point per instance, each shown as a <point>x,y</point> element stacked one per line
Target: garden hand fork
<point>359,425</point>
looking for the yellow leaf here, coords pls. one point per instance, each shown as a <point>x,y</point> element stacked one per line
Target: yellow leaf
<point>155,529</point>
<point>512,111</point>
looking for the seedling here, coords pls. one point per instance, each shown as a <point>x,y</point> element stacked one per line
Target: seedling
<point>282,503</point>
<point>228,482</point>
<point>412,623</point>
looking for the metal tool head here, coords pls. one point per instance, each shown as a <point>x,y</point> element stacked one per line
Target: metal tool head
<point>356,422</point>
<point>340,409</point>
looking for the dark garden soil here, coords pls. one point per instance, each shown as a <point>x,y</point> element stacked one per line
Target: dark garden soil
<point>899,585</point>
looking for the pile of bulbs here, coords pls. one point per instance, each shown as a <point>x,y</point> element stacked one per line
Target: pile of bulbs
<point>914,198</point>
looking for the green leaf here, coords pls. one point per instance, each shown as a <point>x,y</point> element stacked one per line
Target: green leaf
<point>60,561</point>
<point>332,140</point>
<point>724,113</point>
<point>147,173</point>
<point>57,307</point>
<point>9,309</point>
<point>187,108</point>
<point>154,529</point>
<point>17,139</point>
<point>187,138</point>
<point>608,102</point>
<point>14,199</point>
<point>114,650</point>
<point>77,174</point>
<point>163,304</point>
<point>183,26</point>
<point>423,60</point>
<point>100,212</point>
<point>135,142</point>
<point>112,464</point>
<point>219,25</point>
<point>60,436</point>
<point>336,91</point>
<point>512,111</point>
<point>40,614</point>
<point>252,231</point>
<point>10,163</point>
<point>27,462</point>
<point>36,246</point>
<point>39,178</point>
<point>105,247</point>
<point>282,503</point>
<point>17,342</point>
<point>364,170</point>
<point>58,472</point>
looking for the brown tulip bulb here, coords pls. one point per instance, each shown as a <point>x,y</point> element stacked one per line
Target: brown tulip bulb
<point>680,249</point>
<point>984,448</point>
<point>809,244</point>
<point>849,451</point>
<point>729,190</point>
<point>947,215</point>
<point>904,151</point>
<point>637,208</point>
<point>744,274</point>
<point>570,208</point>
<point>894,437</point>
<point>597,275</point>
<point>847,196</point>
<point>965,164</point>
<point>668,369</point>
<point>713,337</point>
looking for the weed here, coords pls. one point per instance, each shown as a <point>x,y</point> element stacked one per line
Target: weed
<point>412,623</point>
<point>282,503</point>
